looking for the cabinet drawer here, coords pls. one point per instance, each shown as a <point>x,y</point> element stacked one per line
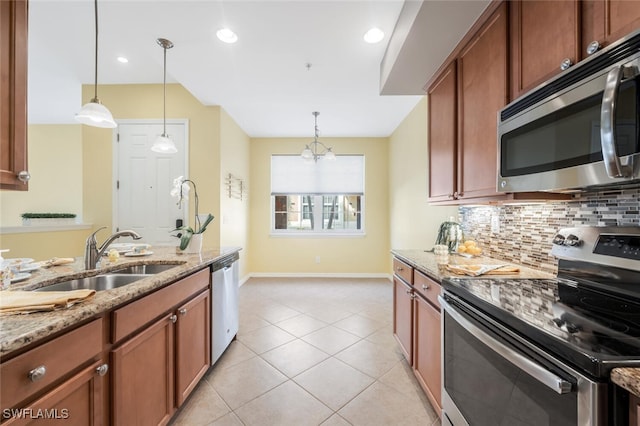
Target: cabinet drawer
<point>58,357</point>
<point>134,316</point>
<point>427,287</point>
<point>403,270</point>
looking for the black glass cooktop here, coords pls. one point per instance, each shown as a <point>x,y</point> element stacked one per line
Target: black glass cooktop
<point>592,327</point>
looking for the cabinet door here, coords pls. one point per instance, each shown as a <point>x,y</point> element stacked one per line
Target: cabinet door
<point>76,401</point>
<point>193,344</point>
<point>543,34</point>
<point>482,92</point>
<point>403,316</point>
<point>634,411</point>
<point>442,136</point>
<point>143,372</point>
<point>606,21</point>
<point>13,93</point>
<point>426,355</point>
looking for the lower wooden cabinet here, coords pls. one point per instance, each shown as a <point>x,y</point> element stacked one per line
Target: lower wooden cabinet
<point>416,327</point>
<point>77,401</point>
<point>634,411</point>
<point>402,316</point>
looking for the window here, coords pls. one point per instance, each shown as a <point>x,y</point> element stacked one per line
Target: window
<point>326,197</point>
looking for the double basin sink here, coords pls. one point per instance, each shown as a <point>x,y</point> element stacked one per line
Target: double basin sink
<point>110,280</point>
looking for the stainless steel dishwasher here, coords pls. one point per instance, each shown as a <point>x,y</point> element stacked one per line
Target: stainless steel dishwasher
<point>224,304</point>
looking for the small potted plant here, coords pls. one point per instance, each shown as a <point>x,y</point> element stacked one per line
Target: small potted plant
<point>190,238</point>
<point>46,219</point>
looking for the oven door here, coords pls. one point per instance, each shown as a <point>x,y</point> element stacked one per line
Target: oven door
<point>492,376</point>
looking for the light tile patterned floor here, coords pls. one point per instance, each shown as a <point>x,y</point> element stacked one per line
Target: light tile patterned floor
<point>311,351</point>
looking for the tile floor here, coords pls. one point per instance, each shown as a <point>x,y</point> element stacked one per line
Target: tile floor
<point>311,352</point>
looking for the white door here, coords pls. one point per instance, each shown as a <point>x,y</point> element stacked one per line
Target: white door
<point>144,181</point>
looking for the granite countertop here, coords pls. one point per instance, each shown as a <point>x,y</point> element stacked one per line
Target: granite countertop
<point>627,378</point>
<point>426,262</point>
<point>20,330</point>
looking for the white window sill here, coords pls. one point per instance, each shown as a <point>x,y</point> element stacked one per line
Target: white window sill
<point>302,234</point>
<point>49,228</point>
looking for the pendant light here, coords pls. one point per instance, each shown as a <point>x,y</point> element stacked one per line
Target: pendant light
<point>94,113</point>
<point>317,149</point>
<point>163,144</point>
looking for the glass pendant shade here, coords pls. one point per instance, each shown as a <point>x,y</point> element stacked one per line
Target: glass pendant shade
<point>329,155</point>
<point>307,154</point>
<point>164,145</point>
<point>95,114</point>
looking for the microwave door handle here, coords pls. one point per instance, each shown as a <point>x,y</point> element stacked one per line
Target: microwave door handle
<point>615,169</point>
<point>539,373</point>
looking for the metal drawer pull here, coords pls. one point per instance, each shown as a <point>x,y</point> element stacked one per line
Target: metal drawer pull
<point>425,287</point>
<point>173,318</point>
<point>102,370</point>
<point>399,269</point>
<point>408,291</point>
<point>24,176</point>
<point>536,371</point>
<point>183,311</point>
<point>37,373</point>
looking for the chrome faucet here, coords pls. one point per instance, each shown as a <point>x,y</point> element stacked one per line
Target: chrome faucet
<point>91,251</point>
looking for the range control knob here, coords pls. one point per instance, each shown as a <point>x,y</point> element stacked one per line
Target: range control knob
<point>558,240</point>
<point>572,241</point>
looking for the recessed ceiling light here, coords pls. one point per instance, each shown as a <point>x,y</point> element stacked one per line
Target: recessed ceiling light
<point>374,35</point>
<point>226,35</point>
<point>122,59</point>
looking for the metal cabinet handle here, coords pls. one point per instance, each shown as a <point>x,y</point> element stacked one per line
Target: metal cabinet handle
<point>102,369</point>
<point>37,373</point>
<point>399,269</point>
<point>593,47</point>
<point>183,311</point>
<point>408,291</point>
<point>565,64</point>
<point>425,287</point>
<point>24,176</point>
<point>615,169</point>
<point>173,318</point>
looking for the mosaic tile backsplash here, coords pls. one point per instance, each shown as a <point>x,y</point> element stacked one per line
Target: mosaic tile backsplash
<point>522,233</point>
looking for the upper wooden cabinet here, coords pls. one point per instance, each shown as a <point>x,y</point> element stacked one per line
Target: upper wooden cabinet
<point>13,93</point>
<point>606,21</point>
<point>543,34</point>
<point>442,136</point>
<point>482,92</point>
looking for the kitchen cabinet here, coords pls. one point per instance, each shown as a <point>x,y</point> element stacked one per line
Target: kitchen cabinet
<point>65,376</point>
<point>634,410</point>
<point>13,93</point>
<point>606,21</point>
<point>442,136</point>
<point>543,34</point>
<point>464,99</point>
<point>416,327</point>
<point>162,349</point>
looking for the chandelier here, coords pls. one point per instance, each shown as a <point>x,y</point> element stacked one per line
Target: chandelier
<point>317,149</point>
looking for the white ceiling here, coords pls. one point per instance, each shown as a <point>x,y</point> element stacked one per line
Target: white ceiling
<point>262,81</point>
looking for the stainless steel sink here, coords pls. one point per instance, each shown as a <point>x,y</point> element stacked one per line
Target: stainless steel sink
<point>98,282</point>
<point>150,269</point>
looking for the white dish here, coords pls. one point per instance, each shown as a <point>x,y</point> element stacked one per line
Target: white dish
<point>20,276</point>
<point>121,247</point>
<point>18,261</point>
<point>134,254</point>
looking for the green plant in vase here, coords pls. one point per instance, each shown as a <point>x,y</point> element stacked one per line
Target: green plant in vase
<point>181,192</point>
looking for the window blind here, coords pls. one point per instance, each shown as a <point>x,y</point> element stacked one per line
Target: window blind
<point>290,174</point>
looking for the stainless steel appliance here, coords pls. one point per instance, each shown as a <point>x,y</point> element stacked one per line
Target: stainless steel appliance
<point>578,130</point>
<point>540,351</point>
<point>224,304</point>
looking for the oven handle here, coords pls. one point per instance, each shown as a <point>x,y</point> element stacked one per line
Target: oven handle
<point>539,373</point>
<point>615,169</point>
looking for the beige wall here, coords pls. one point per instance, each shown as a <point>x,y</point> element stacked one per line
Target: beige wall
<point>234,212</point>
<point>338,255</point>
<point>413,222</point>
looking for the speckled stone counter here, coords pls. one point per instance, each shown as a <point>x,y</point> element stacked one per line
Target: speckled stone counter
<point>628,379</point>
<point>426,263</point>
<point>18,331</point>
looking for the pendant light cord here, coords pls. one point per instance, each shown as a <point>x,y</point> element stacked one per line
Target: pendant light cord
<point>95,86</point>
<point>164,96</point>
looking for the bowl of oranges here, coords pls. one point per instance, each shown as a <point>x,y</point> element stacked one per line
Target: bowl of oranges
<point>469,248</point>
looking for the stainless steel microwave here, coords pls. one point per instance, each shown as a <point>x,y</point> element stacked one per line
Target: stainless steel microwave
<point>578,131</point>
